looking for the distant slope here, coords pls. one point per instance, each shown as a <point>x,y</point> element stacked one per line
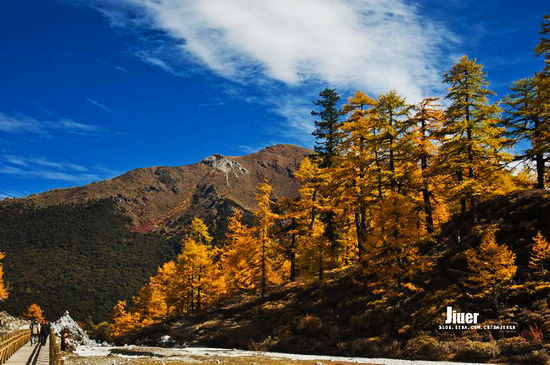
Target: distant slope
<point>77,257</point>
<point>83,248</point>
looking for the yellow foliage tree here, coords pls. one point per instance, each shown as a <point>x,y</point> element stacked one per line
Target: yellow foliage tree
<point>252,259</point>
<point>358,180</point>
<point>540,255</point>
<point>269,253</point>
<point>3,290</point>
<point>179,287</point>
<point>311,241</point>
<point>194,283</point>
<point>394,257</point>
<point>238,257</point>
<point>473,140</point>
<point>122,321</point>
<point>426,124</point>
<point>34,311</point>
<point>197,279</point>
<point>492,266</point>
<point>150,305</point>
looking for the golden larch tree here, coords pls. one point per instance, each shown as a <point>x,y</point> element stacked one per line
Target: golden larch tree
<point>34,311</point>
<point>540,255</point>
<point>492,266</point>
<point>198,280</point>
<point>425,126</point>
<point>122,321</point>
<point>251,255</point>
<point>239,256</point>
<point>358,180</point>
<point>394,257</point>
<point>269,253</point>
<point>3,290</point>
<point>473,141</point>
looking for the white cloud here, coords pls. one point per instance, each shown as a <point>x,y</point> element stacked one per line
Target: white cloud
<point>116,67</point>
<point>99,105</point>
<point>20,123</point>
<point>43,168</point>
<point>373,45</point>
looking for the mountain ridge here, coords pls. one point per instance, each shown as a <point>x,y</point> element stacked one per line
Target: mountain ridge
<point>152,195</point>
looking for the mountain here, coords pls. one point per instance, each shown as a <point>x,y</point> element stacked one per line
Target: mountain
<point>84,248</point>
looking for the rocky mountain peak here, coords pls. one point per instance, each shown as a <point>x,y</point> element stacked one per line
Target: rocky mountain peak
<point>225,164</point>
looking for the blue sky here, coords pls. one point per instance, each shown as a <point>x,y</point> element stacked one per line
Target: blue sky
<point>92,88</point>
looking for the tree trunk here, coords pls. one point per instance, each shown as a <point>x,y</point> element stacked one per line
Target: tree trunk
<point>293,254</point>
<point>428,211</point>
<point>539,157</point>
<point>541,184</point>
<point>263,283</point>
<point>463,198</point>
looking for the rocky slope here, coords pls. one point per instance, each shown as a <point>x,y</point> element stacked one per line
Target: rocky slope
<point>154,196</point>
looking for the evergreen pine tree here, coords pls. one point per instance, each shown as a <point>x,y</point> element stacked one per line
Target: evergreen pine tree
<point>326,131</point>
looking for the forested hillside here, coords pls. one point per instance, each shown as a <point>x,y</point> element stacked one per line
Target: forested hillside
<point>80,258</point>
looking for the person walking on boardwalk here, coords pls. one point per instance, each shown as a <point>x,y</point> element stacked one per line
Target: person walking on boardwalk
<point>44,331</point>
<point>35,331</point>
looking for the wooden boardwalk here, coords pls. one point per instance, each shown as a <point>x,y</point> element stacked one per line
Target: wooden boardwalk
<point>31,355</point>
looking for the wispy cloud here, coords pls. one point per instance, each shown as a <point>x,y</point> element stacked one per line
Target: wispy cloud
<point>99,105</point>
<point>116,67</point>
<point>374,45</point>
<point>43,168</point>
<point>212,103</point>
<point>9,193</point>
<point>156,57</point>
<point>120,68</point>
<point>20,123</point>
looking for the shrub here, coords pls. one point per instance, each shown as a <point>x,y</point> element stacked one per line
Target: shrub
<point>476,351</point>
<point>424,348</point>
<point>263,345</point>
<point>100,332</point>
<point>513,346</point>
<point>534,358</point>
<point>309,325</point>
<point>533,335</point>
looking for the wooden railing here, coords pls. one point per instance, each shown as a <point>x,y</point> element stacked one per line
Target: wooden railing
<point>11,342</point>
<point>55,349</point>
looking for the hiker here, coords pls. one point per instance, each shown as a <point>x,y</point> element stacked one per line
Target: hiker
<point>35,331</point>
<point>67,343</point>
<point>44,331</point>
